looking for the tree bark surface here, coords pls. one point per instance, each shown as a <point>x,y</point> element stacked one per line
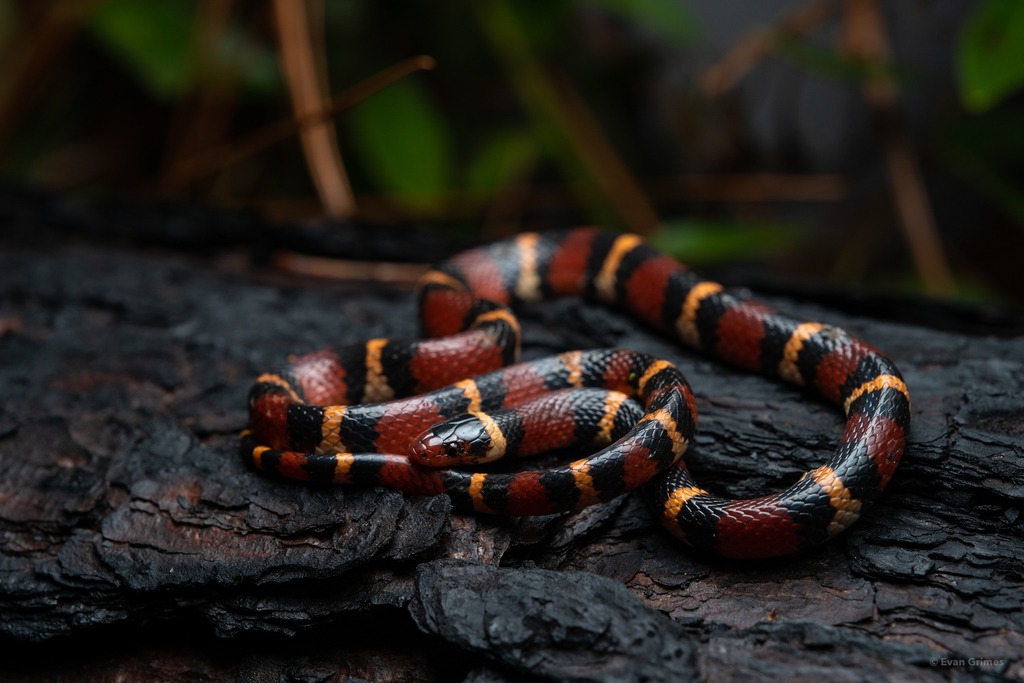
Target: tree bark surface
<point>135,542</point>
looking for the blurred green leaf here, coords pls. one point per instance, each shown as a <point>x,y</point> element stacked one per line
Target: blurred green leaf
<point>990,54</point>
<point>506,156</point>
<point>827,62</point>
<point>8,21</point>
<point>997,135</point>
<point>404,144</point>
<point>670,20</point>
<point>151,38</point>
<point>987,150</point>
<point>252,63</point>
<point>704,241</point>
<point>544,24</point>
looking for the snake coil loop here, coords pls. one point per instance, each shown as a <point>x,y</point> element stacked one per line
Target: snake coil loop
<point>368,414</point>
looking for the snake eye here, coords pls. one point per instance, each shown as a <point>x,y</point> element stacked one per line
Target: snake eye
<point>453,449</point>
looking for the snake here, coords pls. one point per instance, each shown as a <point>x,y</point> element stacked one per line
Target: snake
<point>422,415</point>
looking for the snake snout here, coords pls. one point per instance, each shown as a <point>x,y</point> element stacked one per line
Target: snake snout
<point>459,440</point>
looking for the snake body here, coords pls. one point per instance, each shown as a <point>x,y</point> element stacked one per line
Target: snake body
<point>368,414</point>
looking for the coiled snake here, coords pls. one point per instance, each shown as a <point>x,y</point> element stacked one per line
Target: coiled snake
<point>406,414</point>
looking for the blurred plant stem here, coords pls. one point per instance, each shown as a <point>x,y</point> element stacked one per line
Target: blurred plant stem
<point>863,37</point>
<point>748,52</point>
<point>566,127</point>
<point>189,168</point>
<point>201,118</point>
<point>863,41</point>
<point>305,72</point>
<point>974,166</point>
<point>48,31</point>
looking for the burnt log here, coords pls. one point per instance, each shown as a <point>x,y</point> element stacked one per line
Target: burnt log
<point>134,541</point>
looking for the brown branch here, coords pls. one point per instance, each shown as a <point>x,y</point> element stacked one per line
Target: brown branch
<point>565,124</point>
<point>864,37</point>
<point>305,77</point>
<point>225,155</point>
<point>746,53</point>
<point>200,120</point>
<point>750,187</point>
<point>609,170</point>
<point>404,274</point>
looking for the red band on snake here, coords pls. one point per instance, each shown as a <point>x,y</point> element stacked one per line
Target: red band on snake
<point>365,414</point>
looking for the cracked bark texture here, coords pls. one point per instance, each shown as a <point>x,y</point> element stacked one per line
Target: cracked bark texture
<point>134,541</point>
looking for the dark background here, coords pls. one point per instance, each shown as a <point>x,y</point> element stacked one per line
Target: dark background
<point>857,142</point>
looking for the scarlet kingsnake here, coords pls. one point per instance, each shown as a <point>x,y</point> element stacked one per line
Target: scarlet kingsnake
<point>363,414</point>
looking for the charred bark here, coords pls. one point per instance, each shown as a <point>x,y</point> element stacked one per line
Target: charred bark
<point>135,542</point>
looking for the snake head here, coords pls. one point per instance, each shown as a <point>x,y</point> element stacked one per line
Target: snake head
<point>462,440</point>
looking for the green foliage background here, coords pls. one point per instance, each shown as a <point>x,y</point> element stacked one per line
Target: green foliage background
<point>446,146</point>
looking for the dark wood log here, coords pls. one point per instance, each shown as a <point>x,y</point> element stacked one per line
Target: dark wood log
<point>135,543</point>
